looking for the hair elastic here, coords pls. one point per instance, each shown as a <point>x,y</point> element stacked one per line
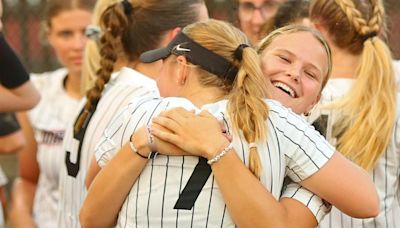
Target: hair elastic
<point>238,54</point>
<point>252,145</point>
<point>369,35</point>
<point>127,7</point>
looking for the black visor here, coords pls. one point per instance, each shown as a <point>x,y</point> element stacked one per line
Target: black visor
<point>196,54</point>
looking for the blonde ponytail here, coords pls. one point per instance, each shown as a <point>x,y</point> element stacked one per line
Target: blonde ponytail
<point>369,108</point>
<point>247,107</point>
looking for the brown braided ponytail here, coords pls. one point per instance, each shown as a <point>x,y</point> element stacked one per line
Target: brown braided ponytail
<point>112,23</point>
<point>132,32</point>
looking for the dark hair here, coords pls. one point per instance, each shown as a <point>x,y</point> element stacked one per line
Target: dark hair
<point>288,12</point>
<point>139,28</point>
<point>54,7</point>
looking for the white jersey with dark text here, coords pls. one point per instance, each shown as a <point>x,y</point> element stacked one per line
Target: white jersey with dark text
<point>123,87</point>
<point>49,120</point>
<point>164,195</point>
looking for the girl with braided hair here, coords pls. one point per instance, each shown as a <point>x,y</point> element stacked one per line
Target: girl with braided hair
<point>218,183</point>
<point>35,194</point>
<point>129,27</point>
<point>359,111</point>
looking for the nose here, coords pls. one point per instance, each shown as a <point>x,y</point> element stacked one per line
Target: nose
<point>79,41</point>
<point>257,18</point>
<point>295,73</point>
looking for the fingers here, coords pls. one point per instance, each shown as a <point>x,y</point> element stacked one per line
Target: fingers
<point>167,123</point>
<point>207,114</point>
<point>166,136</point>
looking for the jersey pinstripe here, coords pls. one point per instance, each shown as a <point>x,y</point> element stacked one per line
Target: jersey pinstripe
<point>314,203</point>
<point>120,90</point>
<point>151,200</point>
<point>49,120</point>
<point>385,175</point>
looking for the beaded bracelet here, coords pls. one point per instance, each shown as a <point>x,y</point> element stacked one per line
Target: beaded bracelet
<point>135,150</point>
<point>220,155</point>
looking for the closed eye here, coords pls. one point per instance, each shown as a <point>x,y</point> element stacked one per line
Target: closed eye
<point>310,74</point>
<point>285,59</point>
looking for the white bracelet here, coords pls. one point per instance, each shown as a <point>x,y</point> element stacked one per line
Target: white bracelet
<point>135,150</point>
<point>220,155</point>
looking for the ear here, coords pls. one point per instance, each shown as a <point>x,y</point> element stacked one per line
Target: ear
<point>169,36</point>
<point>183,70</point>
<point>318,26</point>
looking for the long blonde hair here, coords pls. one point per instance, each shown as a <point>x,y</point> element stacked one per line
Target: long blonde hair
<point>369,108</point>
<point>246,106</point>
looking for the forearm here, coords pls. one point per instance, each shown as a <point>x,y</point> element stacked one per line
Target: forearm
<point>92,172</point>
<point>24,97</point>
<point>22,203</point>
<point>109,189</point>
<point>12,142</point>
<point>255,207</point>
<point>346,186</point>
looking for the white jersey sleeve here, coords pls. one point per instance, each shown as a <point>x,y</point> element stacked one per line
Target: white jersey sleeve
<point>314,203</point>
<point>306,151</point>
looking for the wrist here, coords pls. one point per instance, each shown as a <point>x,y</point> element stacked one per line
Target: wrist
<point>140,143</point>
<point>221,154</point>
<point>211,151</point>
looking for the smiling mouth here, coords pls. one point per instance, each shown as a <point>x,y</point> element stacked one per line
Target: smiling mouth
<point>285,88</point>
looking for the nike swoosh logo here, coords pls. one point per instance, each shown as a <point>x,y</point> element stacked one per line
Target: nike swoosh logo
<point>179,48</point>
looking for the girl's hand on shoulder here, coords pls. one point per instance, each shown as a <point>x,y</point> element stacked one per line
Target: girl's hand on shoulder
<point>146,142</point>
<point>200,135</point>
<point>165,147</point>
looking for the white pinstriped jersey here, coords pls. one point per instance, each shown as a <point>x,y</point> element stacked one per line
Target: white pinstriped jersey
<point>49,120</point>
<point>161,186</point>
<point>385,175</point>
<point>124,86</point>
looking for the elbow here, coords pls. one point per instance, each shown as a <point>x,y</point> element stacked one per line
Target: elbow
<point>374,204</point>
<point>86,219</point>
<point>374,208</point>
<point>89,219</point>
<point>10,149</point>
<point>371,207</point>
